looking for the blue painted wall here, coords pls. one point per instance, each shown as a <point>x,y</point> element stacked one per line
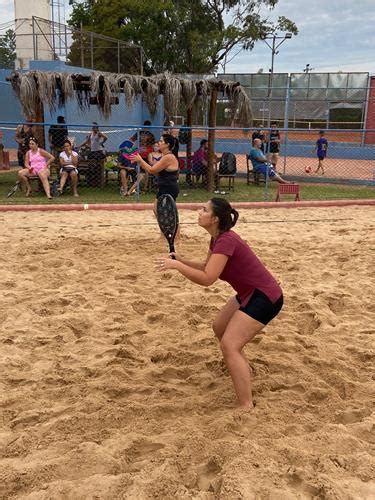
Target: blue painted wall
<point>122,116</point>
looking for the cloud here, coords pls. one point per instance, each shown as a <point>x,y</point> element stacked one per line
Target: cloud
<point>337,35</point>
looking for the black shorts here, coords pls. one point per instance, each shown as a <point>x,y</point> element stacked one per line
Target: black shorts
<point>261,308</point>
<point>68,169</point>
<point>172,190</point>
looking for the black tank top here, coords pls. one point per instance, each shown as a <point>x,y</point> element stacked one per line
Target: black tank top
<point>168,178</point>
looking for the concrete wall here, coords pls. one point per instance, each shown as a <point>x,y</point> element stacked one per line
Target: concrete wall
<point>23,12</point>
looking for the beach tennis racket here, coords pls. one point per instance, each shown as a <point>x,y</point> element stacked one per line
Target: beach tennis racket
<point>14,189</point>
<point>167,216</point>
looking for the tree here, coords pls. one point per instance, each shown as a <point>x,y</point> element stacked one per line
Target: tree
<point>182,36</point>
<point>8,49</point>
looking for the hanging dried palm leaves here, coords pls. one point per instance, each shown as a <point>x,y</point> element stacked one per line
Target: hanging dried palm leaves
<point>46,84</point>
<point>189,92</point>
<point>151,93</point>
<point>101,86</point>
<point>172,94</point>
<point>34,86</point>
<point>29,97</point>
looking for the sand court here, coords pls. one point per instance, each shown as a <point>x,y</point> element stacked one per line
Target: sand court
<point>112,384</point>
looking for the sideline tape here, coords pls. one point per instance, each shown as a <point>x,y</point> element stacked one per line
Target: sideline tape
<point>182,206</point>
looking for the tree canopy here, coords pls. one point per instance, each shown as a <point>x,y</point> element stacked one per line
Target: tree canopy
<point>181,36</point>
<point>8,49</point>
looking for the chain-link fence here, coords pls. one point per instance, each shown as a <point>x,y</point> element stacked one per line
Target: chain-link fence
<point>243,164</point>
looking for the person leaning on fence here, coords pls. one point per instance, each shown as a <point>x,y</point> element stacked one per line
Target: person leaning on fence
<point>68,161</point>
<point>37,162</point>
<point>200,161</point>
<point>57,135</point>
<point>23,134</point>
<point>95,141</point>
<point>261,164</point>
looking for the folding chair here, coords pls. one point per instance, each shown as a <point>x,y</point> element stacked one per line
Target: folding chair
<point>251,172</point>
<point>287,189</point>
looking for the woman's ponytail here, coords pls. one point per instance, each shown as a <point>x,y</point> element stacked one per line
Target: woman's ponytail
<point>227,215</point>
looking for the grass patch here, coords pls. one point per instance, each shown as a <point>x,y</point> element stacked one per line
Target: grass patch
<point>110,193</point>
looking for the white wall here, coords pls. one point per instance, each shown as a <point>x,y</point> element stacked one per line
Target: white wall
<point>24,10</point>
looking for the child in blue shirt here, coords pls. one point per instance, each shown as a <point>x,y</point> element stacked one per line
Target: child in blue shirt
<point>321,151</point>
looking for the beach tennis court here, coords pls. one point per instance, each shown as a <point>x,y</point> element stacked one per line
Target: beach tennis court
<point>112,381</point>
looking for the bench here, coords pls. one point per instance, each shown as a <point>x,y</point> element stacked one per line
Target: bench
<point>292,189</point>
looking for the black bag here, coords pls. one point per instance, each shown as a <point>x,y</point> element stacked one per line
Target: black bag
<point>228,164</point>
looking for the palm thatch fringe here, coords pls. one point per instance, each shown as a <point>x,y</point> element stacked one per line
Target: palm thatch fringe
<point>36,86</point>
<point>29,97</point>
<point>189,92</point>
<point>151,93</point>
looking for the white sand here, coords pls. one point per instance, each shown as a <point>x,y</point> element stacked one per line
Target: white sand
<point>112,384</point>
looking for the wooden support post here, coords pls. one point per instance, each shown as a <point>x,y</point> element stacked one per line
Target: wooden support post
<point>211,141</point>
<point>39,129</point>
<point>189,145</point>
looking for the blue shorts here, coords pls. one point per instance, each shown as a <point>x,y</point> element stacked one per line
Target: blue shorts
<point>321,155</point>
<point>266,167</point>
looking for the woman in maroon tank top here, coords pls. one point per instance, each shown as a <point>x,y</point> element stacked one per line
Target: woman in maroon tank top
<point>258,298</point>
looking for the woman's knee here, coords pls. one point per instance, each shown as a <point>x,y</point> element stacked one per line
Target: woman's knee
<point>227,347</point>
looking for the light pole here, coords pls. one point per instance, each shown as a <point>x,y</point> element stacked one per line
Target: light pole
<point>307,69</point>
<point>274,46</point>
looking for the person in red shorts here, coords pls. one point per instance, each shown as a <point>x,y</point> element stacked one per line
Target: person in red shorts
<point>258,298</point>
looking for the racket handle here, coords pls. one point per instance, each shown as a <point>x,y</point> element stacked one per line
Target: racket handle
<point>172,250</point>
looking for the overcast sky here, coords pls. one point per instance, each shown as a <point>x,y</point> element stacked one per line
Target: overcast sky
<point>334,35</point>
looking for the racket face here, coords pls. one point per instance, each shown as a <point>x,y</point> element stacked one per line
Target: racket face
<point>167,216</point>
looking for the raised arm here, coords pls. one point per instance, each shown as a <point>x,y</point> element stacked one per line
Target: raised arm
<point>18,137</point>
<point>160,165</point>
<point>50,158</point>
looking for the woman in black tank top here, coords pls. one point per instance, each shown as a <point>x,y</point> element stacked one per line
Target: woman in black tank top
<point>166,169</point>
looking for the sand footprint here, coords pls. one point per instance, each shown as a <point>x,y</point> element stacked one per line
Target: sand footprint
<point>209,476</point>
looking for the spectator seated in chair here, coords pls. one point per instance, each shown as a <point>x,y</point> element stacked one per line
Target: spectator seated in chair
<point>200,162</point>
<point>261,164</point>
<point>128,172</point>
<point>68,161</point>
<point>37,163</point>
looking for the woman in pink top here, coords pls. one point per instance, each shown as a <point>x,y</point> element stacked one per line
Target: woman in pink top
<point>258,297</point>
<point>37,162</point>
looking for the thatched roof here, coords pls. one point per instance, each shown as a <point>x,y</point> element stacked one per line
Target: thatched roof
<point>52,88</point>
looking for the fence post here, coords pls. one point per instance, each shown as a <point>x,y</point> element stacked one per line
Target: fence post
<point>211,140</point>
<point>286,122</point>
